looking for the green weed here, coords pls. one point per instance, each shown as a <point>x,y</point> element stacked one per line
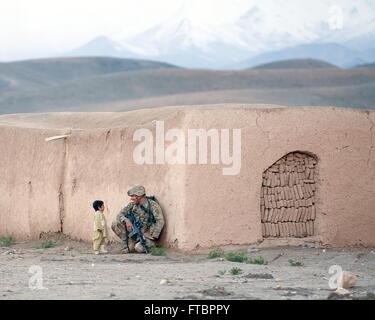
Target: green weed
<point>7,241</point>
<point>236,256</point>
<point>158,251</point>
<point>235,271</point>
<point>294,263</point>
<point>46,245</point>
<point>215,253</point>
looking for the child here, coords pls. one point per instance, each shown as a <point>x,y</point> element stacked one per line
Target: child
<point>100,228</point>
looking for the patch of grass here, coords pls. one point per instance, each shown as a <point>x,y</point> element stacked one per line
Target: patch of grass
<point>259,260</point>
<point>235,271</point>
<point>216,253</point>
<point>46,245</point>
<point>236,256</point>
<point>158,251</point>
<point>294,263</point>
<point>7,241</point>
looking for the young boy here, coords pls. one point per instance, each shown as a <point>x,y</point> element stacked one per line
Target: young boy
<point>100,228</point>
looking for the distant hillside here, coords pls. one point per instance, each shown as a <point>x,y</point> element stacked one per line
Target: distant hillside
<point>367,65</point>
<point>296,64</point>
<point>328,86</point>
<point>34,74</point>
<point>335,54</point>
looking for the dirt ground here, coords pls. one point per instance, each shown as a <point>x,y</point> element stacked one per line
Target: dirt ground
<point>71,271</point>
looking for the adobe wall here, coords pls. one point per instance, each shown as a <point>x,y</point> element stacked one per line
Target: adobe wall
<point>49,186</point>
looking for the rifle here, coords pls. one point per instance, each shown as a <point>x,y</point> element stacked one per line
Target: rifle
<point>137,231</point>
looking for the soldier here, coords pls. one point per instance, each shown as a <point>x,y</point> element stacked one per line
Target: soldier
<point>147,212</point>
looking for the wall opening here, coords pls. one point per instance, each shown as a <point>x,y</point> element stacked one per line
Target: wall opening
<point>288,197</point>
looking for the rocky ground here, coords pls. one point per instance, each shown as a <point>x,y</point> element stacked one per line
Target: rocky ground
<point>70,271</point>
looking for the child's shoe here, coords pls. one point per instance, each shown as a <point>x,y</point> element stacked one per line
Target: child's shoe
<point>102,249</point>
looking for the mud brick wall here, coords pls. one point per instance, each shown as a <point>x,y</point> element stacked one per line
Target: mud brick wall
<point>49,186</point>
<point>288,197</point>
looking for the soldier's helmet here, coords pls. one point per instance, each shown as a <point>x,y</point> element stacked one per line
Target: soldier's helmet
<point>137,191</point>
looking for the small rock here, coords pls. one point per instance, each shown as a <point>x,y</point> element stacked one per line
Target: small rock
<point>347,280</point>
<point>112,294</point>
<point>324,250</point>
<point>309,245</point>
<point>216,291</point>
<point>370,296</point>
<point>92,264</point>
<point>10,252</point>
<point>68,248</point>
<point>342,291</point>
<point>163,281</point>
<point>137,276</point>
<point>221,259</point>
<point>250,250</point>
<point>259,276</point>
<point>360,255</point>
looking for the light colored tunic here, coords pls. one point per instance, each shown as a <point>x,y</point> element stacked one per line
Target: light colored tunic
<point>100,230</point>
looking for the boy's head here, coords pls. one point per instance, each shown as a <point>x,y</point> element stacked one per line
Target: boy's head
<point>98,205</point>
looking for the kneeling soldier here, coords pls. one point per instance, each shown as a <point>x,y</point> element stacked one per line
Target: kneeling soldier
<point>140,223</point>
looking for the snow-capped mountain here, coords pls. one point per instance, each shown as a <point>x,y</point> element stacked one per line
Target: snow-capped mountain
<point>101,46</point>
<point>267,26</point>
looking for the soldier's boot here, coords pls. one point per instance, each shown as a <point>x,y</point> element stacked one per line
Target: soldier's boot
<point>140,249</point>
<point>131,244</point>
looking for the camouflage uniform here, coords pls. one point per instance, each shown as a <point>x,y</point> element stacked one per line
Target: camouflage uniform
<point>154,229</point>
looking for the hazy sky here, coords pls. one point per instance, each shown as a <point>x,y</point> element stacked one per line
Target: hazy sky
<point>37,27</point>
<point>34,28</point>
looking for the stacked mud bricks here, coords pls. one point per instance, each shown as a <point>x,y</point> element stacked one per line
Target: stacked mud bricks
<point>288,197</point>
